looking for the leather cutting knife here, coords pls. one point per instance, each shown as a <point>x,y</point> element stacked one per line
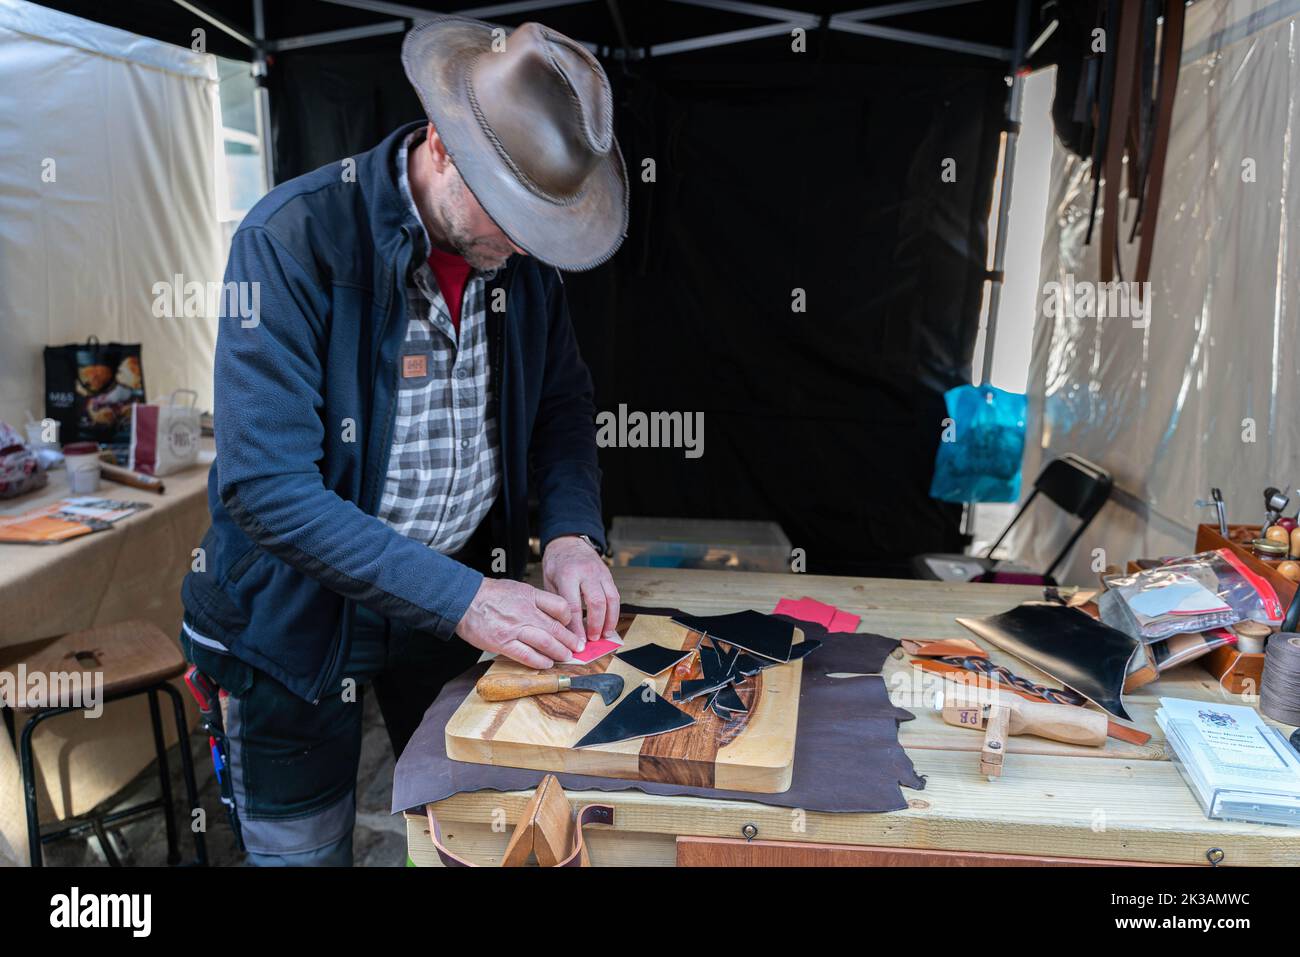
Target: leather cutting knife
<point>508,687</point>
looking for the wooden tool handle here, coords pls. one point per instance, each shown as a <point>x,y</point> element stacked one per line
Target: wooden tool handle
<point>1060,722</point>
<point>994,749</point>
<point>507,687</point>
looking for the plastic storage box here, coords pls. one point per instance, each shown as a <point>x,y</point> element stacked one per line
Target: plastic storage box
<point>747,546</point>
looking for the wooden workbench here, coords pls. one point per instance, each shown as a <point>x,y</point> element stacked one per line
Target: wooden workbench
<point>1119,803</point>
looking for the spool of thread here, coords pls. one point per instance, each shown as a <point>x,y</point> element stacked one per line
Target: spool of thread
<point>1279,687</point>
<point>1251,636</point>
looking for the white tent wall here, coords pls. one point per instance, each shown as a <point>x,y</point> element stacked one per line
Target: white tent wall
<point>108,186</point>
<point>1205,393</point>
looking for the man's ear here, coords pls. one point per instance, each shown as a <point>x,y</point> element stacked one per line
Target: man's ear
<point>437,150</point>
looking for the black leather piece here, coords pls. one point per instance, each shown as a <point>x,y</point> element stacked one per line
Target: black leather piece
<point>710,663</point>
<point>759,634</point>
<point>729,700</point>
<point>696,687</point>
<point>638,715</point>
<point>807,646</point>
<point>1074,648</point>
<point>652,659</point>
<point>727,658</point>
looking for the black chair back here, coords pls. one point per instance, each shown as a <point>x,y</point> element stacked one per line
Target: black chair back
<point>1074,485</point>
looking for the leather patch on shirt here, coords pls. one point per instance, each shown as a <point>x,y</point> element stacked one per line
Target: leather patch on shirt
<point>415,366</point>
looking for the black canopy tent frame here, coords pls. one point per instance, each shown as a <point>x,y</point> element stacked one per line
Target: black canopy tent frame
<point>860,21</point>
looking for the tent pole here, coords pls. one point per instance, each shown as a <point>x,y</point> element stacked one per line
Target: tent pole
<point>203,13</point>
<point>1014,113</point>
<point>263,94</point>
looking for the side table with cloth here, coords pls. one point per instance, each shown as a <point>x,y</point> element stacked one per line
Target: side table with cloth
<point>132,571</point>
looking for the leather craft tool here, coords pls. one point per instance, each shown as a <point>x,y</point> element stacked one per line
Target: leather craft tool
<point>508,687</point>
<point>1014,715</point>
<point>1056,722</point>
<point>1274,503</point>
<point>1025,689</point>
<point>1221,510</point>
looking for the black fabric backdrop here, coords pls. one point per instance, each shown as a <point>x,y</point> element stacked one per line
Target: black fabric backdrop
<point>769,177</point>
<point>774,171</point>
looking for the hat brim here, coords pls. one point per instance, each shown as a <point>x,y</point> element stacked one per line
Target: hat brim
<point>578,235</point>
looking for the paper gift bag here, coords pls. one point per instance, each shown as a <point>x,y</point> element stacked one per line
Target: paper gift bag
<point>165,435</point>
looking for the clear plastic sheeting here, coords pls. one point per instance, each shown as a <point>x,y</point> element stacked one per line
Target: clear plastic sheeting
<point>108,199</point>
<point>1194,384</point>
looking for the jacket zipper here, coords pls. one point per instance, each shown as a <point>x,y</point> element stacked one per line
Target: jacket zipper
<point>371,505</point>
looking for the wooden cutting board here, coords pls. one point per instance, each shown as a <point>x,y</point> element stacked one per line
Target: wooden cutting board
<point>749,752</point>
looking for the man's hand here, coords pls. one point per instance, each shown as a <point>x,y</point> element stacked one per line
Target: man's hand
<point>519,621</point>
<point>572,569</point>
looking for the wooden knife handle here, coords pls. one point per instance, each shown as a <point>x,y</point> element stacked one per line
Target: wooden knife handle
<point>508,687</point>
<point>1059,722</point>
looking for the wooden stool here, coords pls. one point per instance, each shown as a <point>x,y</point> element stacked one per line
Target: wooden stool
<point>135,658</point>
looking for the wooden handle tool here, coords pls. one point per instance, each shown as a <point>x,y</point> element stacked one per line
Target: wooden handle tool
<point>509,687</point>
<point>1059,722</point>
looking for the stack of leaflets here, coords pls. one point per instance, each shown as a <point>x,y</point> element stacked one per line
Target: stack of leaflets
<point>65,519</point>
<point>1239,767</point>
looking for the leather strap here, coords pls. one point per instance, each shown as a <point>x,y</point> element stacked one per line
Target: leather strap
<point>1126,45</point>
<point>943,648</point>
<point>589,814</point>
<point>1171,52</point>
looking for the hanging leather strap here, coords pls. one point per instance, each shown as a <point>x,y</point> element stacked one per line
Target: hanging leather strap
<point>589,814</point>
<point>1171,53</point>
<point>1121,103</point>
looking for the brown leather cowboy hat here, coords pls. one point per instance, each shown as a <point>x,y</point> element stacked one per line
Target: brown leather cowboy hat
<point>528,121</point>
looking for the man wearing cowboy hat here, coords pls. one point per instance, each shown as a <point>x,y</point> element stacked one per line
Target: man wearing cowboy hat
<point>411,377</point>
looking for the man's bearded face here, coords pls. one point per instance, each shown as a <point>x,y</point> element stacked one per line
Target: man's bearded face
<point>468,228</point>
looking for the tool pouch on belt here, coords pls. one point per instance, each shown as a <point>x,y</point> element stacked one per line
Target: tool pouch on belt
<point>211,707</point>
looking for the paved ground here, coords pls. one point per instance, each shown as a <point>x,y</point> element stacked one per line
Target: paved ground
<point>378,841</point>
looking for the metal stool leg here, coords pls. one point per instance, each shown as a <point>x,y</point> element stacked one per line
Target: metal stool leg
<point>28,766</point>
<point>29,795</point>
<point>187,766</point>
<point>101,835</point>
<point>164,777</point>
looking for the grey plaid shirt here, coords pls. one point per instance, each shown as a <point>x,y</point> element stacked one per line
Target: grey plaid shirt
<point>444,470</point>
